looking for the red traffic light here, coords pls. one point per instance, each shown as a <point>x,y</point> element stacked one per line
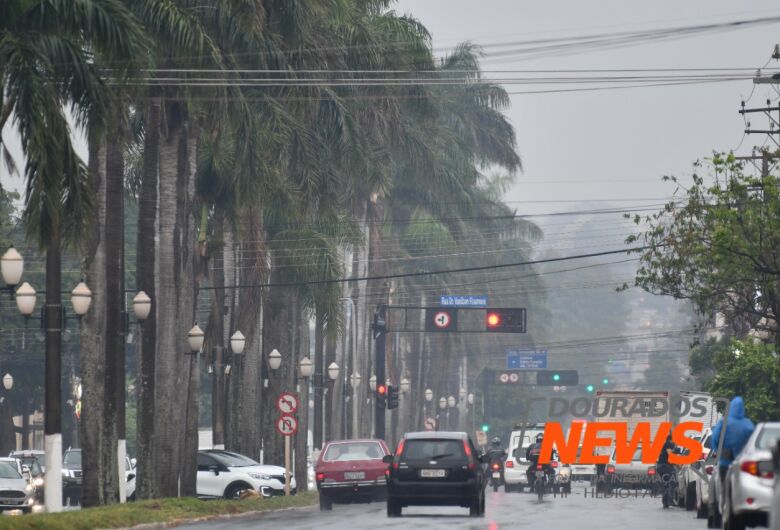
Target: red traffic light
<point>381,389</point>
<point>493,320</point>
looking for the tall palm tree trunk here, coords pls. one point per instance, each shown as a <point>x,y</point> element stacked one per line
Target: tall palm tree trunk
<point>93,333</point>
<point>145,281</point>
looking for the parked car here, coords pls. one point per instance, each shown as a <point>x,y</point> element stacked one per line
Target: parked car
<point>436,469</point>
<point>225,474</point>
<point>706,468</point>
<point>714,487</point>
<point>16,493</point>
<point>774,515</point>
<point>72,476</point>
<point>749,485</point>
<point>351,471</point>
<point>130,474</point>
<point>688,475</point>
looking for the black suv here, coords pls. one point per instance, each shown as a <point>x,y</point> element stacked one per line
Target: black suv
<point>436,469</point>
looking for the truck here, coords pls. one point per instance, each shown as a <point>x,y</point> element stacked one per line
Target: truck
<point>639,407</point>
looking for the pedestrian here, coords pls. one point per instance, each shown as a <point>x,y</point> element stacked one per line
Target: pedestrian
<point>738,430</point>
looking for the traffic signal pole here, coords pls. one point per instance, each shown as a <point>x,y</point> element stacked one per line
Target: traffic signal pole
<point>380,334</point>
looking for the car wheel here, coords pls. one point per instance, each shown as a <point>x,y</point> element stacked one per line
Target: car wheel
<point>701,511</point>
<point>567,488</point>
<point>234,491</point>
<point>326,503</point>
<point>690,497</point>
<point>393,507</point>
<point>734,522</point>
<point>474,506</point>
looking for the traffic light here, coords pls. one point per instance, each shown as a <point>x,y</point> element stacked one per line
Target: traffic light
<point>557,377</point>
<point>605,381</point>
<point>381,396</point>
<point>485,427</point>
<point>392,397</point>
<point>505,320</point>
<point>590,388</point>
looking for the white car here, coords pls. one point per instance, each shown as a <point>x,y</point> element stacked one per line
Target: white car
<point>585,472</point>
<point>224,474</point>
<point>515,478</point>
<point>130,474</point>
<point>774,515</point>
<point>16,493</point>
<point>691,477</point>
<point>749,485</point>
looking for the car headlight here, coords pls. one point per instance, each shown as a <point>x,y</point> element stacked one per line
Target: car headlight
<point>38,481</point>
<point>28,488</point>
<point>259,476</point>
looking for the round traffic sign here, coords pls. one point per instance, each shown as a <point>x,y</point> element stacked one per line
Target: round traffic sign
<point>504,378</point>
<point>287,425</point>
<point>514,378</point>
<point>442,320</point>
<point>287,403</point>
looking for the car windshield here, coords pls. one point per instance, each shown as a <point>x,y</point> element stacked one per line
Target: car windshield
<point>438,450</point>
<point>9,471</point>
<point>768,438</point>
<point>232,459</point>
<point>353,451</point>
<point>32,463</point>
<point>72,460</point>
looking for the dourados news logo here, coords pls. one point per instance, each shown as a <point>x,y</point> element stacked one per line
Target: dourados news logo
<point>607,428</point>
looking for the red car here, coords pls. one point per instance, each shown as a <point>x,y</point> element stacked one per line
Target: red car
<point>351,471</point>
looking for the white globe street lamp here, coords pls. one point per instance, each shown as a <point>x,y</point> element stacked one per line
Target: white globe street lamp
<point>8,381</point>
<point>25,299</point>
<point>443,403</point>
<point>12,267</point>
<point>428,394</point>
<point>333,371</point>
<point>470,399</point>
<point>80,299</point>
<point>354,380</point>
<point>462,394</point>
<point>405,386</point>
<point>195,339</point>
<point>372,383</point>
<point>274,359</point>
<point>237,343</point>
<point>451,401</point>
<point>305,367</point>
<point>142,305</point>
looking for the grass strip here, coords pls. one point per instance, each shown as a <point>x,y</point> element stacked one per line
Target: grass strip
<point>152,511</point>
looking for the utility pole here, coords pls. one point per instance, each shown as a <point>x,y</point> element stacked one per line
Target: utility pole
<point>52,419</point>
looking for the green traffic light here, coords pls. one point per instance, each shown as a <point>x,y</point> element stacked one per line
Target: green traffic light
<point>485,428</point>
<point>556,377</point>
<point>605,381</point>
<point>589,388</point>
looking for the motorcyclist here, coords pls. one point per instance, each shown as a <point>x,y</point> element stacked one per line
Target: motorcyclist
<point>665,470</point>
<point>532,455</point>
<point>738,430</point>
<point>495,452</point>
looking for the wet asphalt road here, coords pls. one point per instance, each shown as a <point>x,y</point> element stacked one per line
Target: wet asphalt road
<point>503,510</point>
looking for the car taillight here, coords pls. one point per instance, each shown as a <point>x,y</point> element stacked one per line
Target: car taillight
<point>610,469</point>
<point>709,469</point>
<point>387,472</point>
<point>320,477</point>
<point>757,469</point>
<point>554,464</point>
<point>651,471</point>
<point>509,463</point>
<point>538,466</point>
<point>496,466</point>
<point>398,452</point>
<point>469,456</point>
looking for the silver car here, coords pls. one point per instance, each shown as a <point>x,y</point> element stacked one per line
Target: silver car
<point>15,492</point>
<point>748,488</point>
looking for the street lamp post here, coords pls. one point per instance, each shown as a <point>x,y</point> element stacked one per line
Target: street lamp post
<point>195,339</point>
<point>305,370</point>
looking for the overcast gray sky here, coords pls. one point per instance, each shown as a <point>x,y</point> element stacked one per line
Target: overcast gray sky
<point>630,137</point>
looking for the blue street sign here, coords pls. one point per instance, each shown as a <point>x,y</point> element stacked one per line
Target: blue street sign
<point>464,301</point>
<point>526,359</point>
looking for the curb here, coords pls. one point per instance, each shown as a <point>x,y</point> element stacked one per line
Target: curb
<point>225,517</point>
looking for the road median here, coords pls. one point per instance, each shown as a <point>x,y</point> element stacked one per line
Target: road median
<point>166,512</point>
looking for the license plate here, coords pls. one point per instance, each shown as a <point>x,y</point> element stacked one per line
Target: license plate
<point>540,474</point>
<point>496,474</point>
<point>354,475</point>
<point>433,473</point>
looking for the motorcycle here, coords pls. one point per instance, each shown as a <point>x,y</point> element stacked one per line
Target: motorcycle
<point>496,475</point>
<point>543,477</point>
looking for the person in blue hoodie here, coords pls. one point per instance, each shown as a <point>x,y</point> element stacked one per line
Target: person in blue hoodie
<point>738,430</point>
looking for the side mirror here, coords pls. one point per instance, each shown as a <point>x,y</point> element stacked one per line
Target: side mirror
<point>214,469</point>
<point>387,459</point>
<point>133,463</point>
